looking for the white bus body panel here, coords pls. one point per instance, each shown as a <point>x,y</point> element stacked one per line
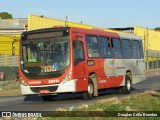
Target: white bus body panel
<point>118,67</point>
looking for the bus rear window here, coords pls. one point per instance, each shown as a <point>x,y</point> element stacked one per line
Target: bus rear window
<point>117,51</point>
<point>136,49</point>
<point>126,47</point>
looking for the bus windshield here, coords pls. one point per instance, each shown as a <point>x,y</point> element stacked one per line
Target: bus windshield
<point>45,57</point>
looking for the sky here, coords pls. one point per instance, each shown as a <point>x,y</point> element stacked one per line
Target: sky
<point>101,13</point>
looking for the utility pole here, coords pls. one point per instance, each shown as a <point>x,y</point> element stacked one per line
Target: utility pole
<point>144,43</point>
<point>66,21</point>
<point>147,48</point>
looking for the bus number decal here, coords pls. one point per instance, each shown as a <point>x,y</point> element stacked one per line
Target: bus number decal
<point>53,81</point>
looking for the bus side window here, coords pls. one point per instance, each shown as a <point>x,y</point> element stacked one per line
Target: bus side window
<point>136,49</point>
<point>78,51</point>
<point>126,47</point>
<point>117,51</point>
<point>105,47</point>
<point>141,48</point>
<point>92,46</point>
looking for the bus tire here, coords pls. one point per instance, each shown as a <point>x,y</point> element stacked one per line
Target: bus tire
<point>46,97</point>
<point>128,84</point>
<point>88,95</point>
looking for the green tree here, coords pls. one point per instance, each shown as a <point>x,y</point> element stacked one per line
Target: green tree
<point>157,28</point>
<point>5,15</point>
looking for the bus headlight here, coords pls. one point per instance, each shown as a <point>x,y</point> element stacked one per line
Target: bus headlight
<point>67,78</point>
<point>23,82</point>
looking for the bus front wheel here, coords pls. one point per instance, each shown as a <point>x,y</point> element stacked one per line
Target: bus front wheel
<point>89,94</point>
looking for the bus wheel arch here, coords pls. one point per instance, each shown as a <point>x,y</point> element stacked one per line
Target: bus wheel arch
<point>129,74</point>
<point>94,78</point>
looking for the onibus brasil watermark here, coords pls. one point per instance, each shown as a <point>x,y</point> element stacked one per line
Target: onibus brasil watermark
<point>21,114</point>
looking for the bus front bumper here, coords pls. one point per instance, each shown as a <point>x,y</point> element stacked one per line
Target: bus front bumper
<point>68,87</point>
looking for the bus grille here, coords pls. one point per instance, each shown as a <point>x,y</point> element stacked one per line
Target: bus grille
<point>50,88</point>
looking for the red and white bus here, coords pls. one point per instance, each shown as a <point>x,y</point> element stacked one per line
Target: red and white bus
<point>75,60</point>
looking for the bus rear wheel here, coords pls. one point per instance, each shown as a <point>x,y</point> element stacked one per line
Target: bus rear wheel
<point>46,97</point>
<point>89,94</point>
<point>128,84</point>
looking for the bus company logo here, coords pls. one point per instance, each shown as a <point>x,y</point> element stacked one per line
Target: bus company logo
<point>6,114</point>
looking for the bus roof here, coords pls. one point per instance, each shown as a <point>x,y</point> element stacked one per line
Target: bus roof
<point>87,31</point>
<point>130,36</point>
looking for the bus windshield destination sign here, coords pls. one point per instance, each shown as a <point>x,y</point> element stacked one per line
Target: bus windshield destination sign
<point>45,35</point>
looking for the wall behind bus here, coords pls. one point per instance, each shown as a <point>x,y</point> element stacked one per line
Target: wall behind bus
<point>8,62</point>
<point>38,22</point>
<point>151,42</point>
<point>151,38</point>
<point>7,43</point>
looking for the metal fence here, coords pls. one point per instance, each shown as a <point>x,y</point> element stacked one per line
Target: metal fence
<point>8,60</point>
<point>153,59</point>
<point>9,66</point>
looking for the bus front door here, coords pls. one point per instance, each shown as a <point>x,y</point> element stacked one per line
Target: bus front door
<point>79,65</point>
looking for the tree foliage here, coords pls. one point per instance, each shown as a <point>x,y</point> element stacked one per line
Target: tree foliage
<point>5,15</point>
<point>157,28</point>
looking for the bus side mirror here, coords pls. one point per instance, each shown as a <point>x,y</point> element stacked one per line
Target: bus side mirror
<point>13,49</point>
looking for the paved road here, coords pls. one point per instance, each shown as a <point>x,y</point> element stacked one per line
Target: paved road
<point>35,103</point>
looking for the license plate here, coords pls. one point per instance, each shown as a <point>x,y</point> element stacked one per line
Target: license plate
<point>44,91</point>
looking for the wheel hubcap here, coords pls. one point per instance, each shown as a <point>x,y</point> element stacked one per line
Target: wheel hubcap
<point>90,89</point>
<point>128,85</point>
